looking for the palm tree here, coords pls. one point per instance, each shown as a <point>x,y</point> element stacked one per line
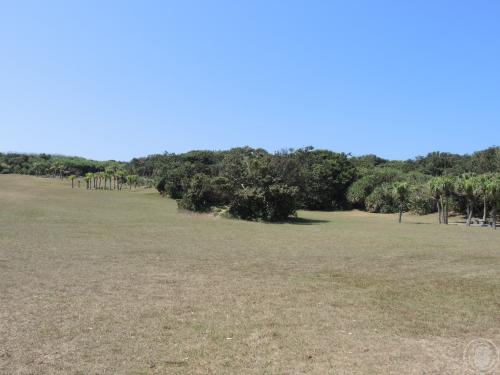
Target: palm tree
<point>101,176</point>
<point>120,177</point>
<point>401,192</point>
<point>37,167</point>
<point>448,188</point>
<point>72,178</point>
<point>442,188</point>
<point>52,170</point>
<point>481,191</point>
<point>132,179</point>
<point>108,174</point>
<point>435,188</point>
<point>88,179</point>
<point>59,168</point>
<point>465,187</point>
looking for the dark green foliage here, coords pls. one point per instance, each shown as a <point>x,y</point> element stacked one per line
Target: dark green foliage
<point>51,165</point>
<point>251,183</point>
<point>249,204</point>
<point>198,195</point>
<point>280,202</point>
<point>382,200</point>
<point>368,161</point>
<point>161,185</point>
<point>205,192</point>
<point>275,203</point>
<point>360,190</point>
<point>486,161</point>
<point>326,178</point>
<point>175,183</point>
<point>420,201</point>
<point>438,163</point>
<point>254,184</point>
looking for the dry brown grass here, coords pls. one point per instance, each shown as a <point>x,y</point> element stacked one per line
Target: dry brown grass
<point>99,282</point>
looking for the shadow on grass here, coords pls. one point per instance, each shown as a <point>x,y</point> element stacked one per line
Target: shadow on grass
<point>304,221</point>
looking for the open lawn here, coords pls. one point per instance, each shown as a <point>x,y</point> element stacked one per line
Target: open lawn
<point>120,282</point>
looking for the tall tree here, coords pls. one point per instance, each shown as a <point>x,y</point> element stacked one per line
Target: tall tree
<point>72,179</point>
<point>435,189</point>
<point>88,179</point>
<point>108,175</point>
<point>442,187</point>
<point>401,193</point>
<point>481,183</point>
<point>465,187</point>
<point>448,189</point>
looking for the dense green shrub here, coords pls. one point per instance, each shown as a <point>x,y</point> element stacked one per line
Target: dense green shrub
<point>364,186</point>
<point>280,202</point>
<point>421,201</point>
<point>275,203</point>
<point>205,192</point>
<point>248,203</point>
<point>161,185</point>
<point>382,200</point>
<point>326,177</point>
<point>360,190</point>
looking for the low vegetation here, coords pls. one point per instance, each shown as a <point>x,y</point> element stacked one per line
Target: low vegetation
<point>253,184</point>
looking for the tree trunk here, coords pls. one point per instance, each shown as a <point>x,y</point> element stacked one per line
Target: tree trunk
<point>400,212</point>
<point>438,204</point>
<point>445,210</point>
<point>72,184</point>
<point>485,209</point>
<point>494,216</point>
<point>469,212</point>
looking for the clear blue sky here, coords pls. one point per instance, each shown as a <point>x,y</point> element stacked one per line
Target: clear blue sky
<point>118,79</point>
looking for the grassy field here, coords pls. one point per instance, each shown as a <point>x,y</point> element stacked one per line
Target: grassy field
<point>108,282</point>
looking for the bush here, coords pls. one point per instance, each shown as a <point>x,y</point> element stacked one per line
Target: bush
<point>275,203</point>
<point>280,202</point>
<point>176,183</point>
<point>197,196</point>
<point>248,204</point>
<point>421,201</point>
<point>382,200</point>
<point>204,192</point>
<point>161,185</point>
<point>359,191</point>
<point>327,176</point>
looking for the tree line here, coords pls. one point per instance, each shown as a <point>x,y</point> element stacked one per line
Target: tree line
<point>254,184</point>
<point>104,175</point>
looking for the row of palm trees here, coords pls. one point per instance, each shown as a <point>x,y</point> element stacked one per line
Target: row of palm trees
<point>109,179</point>
<point>472,188</point>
